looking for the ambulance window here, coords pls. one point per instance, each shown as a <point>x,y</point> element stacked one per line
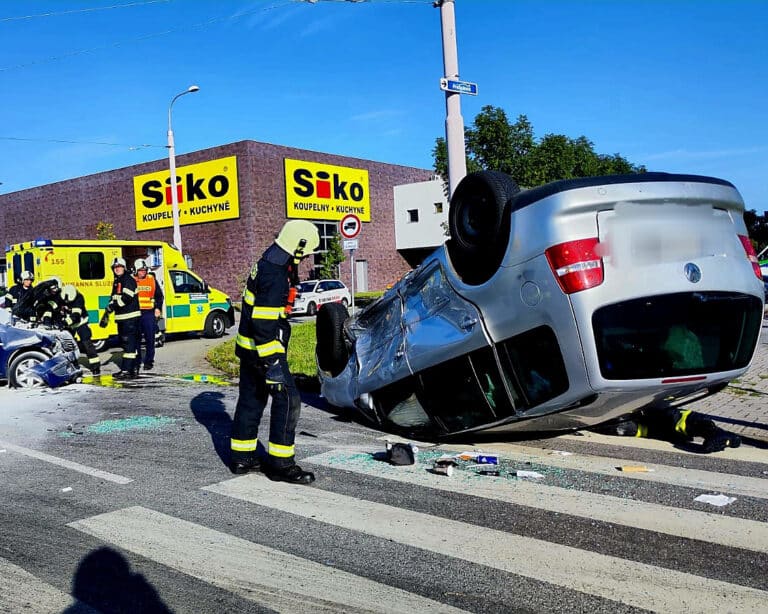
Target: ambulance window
<point>183,282</point>
<point>29,263</point>
<point>16,269</point>
<point>91,265</point>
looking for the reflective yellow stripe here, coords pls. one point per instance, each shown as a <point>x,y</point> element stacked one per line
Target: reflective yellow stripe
<point>243,445</point>
<point>77,310</point>
<point>245,342</point>
<point>267,313</point>
<point>680,427</point>
<point>94,360</point>
<point>129,354</point>
<point>268,349</point>
<point>128,316</point>
<point>642,431</point>
<point>129,292</point>
<point>275,449</point>
<point>249,297</point>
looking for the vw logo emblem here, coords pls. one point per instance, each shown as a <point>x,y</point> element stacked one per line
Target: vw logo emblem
<point>692,272</point>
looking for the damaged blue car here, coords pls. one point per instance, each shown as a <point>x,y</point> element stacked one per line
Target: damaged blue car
<point>36,357</point>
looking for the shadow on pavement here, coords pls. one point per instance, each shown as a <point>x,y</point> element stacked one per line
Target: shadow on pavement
<point>104,580</point>
<point>208,409</point>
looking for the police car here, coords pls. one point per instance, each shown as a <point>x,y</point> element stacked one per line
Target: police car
<point>313,294</point>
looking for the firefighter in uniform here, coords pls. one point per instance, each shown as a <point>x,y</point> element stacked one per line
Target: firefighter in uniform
<point>19,291</point>
<point>125,305</point>
<point>151,305</point>
<point>676,425</point>
<point>75,317</point>
<point>47,305</point>
<point>261,345</point>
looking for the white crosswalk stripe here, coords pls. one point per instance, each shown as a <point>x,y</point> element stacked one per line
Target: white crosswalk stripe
<point>635,584</point>
<point>20,591</point>
<point>249,569</point>
<point>246,568</point>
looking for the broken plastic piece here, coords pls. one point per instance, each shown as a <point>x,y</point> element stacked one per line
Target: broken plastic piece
<point>67,489</point>
<point>717,500</point>
<point>635,469</point>
<point>529,474</point>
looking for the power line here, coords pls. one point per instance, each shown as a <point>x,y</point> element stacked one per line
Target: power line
<point>88,10</point>
<point>144,37</point>
<point>130,147</point>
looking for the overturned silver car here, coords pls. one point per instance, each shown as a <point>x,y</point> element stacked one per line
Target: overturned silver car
<point>555,308</point>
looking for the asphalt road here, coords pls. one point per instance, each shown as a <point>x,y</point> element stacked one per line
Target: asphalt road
<point>118,499</point>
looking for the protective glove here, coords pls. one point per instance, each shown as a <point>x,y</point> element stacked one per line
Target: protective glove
<point>273,374</point>
<point>104,322</point>
<point>109,308</point>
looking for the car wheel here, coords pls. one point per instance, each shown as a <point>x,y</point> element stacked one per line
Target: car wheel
<point>479,224</point>
<point>332,354</point>
<point>19,375</point>
<point>344,302</point>
<point>215,325</point>
<point>311,309</point>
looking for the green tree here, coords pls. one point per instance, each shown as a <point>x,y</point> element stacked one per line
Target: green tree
<point>757,227</point>
<point>332,258</point>
<point>493,143</point>
<point>105,231</point>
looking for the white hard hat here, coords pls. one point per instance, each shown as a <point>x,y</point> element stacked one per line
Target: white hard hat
<point>68,293</point>
<point>140,264</point>
<point>299,237</point>
<point>118,262</point>
<point>27,275</point>
<point>56,283</point>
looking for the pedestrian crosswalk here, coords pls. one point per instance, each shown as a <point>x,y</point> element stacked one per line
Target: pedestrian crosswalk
<point>401,533</point>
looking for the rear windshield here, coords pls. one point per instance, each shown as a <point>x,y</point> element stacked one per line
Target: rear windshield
<point>689,333</point>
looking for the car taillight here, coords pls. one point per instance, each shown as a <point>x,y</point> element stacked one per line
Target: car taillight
<point>576,264</point>
<point>751,255</point>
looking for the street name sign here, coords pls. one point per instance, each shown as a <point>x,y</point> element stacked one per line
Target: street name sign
<point>458,87</point>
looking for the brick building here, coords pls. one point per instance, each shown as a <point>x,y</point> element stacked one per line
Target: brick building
<point>273,183</point>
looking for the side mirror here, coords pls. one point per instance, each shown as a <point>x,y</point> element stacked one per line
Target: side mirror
<point>206,287</point>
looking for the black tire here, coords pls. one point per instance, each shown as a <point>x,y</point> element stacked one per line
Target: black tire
<point>215,325</point>
<point>479,223</point>
<point>311,309</point>
<point>17,376</point>
<point>345,302</point>
<point>332,354</point>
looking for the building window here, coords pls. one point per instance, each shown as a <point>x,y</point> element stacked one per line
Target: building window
<point>413,215</point>
<point>438,207</point>
<point>327,231</point>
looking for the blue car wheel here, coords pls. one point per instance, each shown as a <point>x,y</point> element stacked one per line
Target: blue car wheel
<point>19,373</point>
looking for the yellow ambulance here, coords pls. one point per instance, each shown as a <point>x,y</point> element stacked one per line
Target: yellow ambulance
<point>191,305</point>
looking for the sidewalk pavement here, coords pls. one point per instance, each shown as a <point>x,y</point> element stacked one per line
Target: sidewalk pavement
<point>743,406</point>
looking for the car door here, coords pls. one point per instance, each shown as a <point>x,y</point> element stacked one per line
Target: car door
<point>188,305</point>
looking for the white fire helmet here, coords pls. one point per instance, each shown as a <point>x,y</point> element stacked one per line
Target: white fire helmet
<point>68,293</point>
<point>27,275</point>
<point>118,262</point>
<point>56,285</point>
<point>140,264</point>
<point>299,238</point>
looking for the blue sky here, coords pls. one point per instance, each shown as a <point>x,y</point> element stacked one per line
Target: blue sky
<point>679,86</point>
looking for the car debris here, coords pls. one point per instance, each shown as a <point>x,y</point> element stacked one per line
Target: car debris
<point>716,500</point>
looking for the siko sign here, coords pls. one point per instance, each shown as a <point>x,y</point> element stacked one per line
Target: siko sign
<point>206,192</point>
<point>325,192</point>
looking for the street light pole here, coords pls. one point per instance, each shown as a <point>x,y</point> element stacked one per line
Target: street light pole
<point>172,164</point>
<point>454,122</point>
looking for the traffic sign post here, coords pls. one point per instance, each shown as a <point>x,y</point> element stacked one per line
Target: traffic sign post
<point>349,228</point>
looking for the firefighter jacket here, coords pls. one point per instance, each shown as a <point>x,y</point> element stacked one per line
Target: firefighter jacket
<point>149,293</point>
<point>264,330</point>
<point>74,313</point>
<point>124,302</point>
<point>14,295</point>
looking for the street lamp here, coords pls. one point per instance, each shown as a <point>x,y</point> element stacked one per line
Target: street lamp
<point>172,164</point>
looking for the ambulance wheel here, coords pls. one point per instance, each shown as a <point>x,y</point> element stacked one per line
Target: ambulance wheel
<point>19,375</point>
<point>479,223</point>
<point>215,326</point>
<point>332,353</point>
<point>311,309</point>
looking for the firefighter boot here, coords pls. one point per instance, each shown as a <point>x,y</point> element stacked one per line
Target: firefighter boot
<point>715,438</point>
<point>292,474</point>
<point>246,466</point>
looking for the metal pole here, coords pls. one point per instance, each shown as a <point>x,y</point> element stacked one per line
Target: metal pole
<point>172,165</point>
<point>454,122</point>
<point>352,278</point>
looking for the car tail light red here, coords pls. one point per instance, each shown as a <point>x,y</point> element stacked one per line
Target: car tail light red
<point>576,264</point>
<point>751,255</point>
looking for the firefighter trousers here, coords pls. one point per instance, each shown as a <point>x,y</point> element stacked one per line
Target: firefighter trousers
<point>128,332</point>
<point>284,415</point>
<point>83,334</point>
<point>147,329</point>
